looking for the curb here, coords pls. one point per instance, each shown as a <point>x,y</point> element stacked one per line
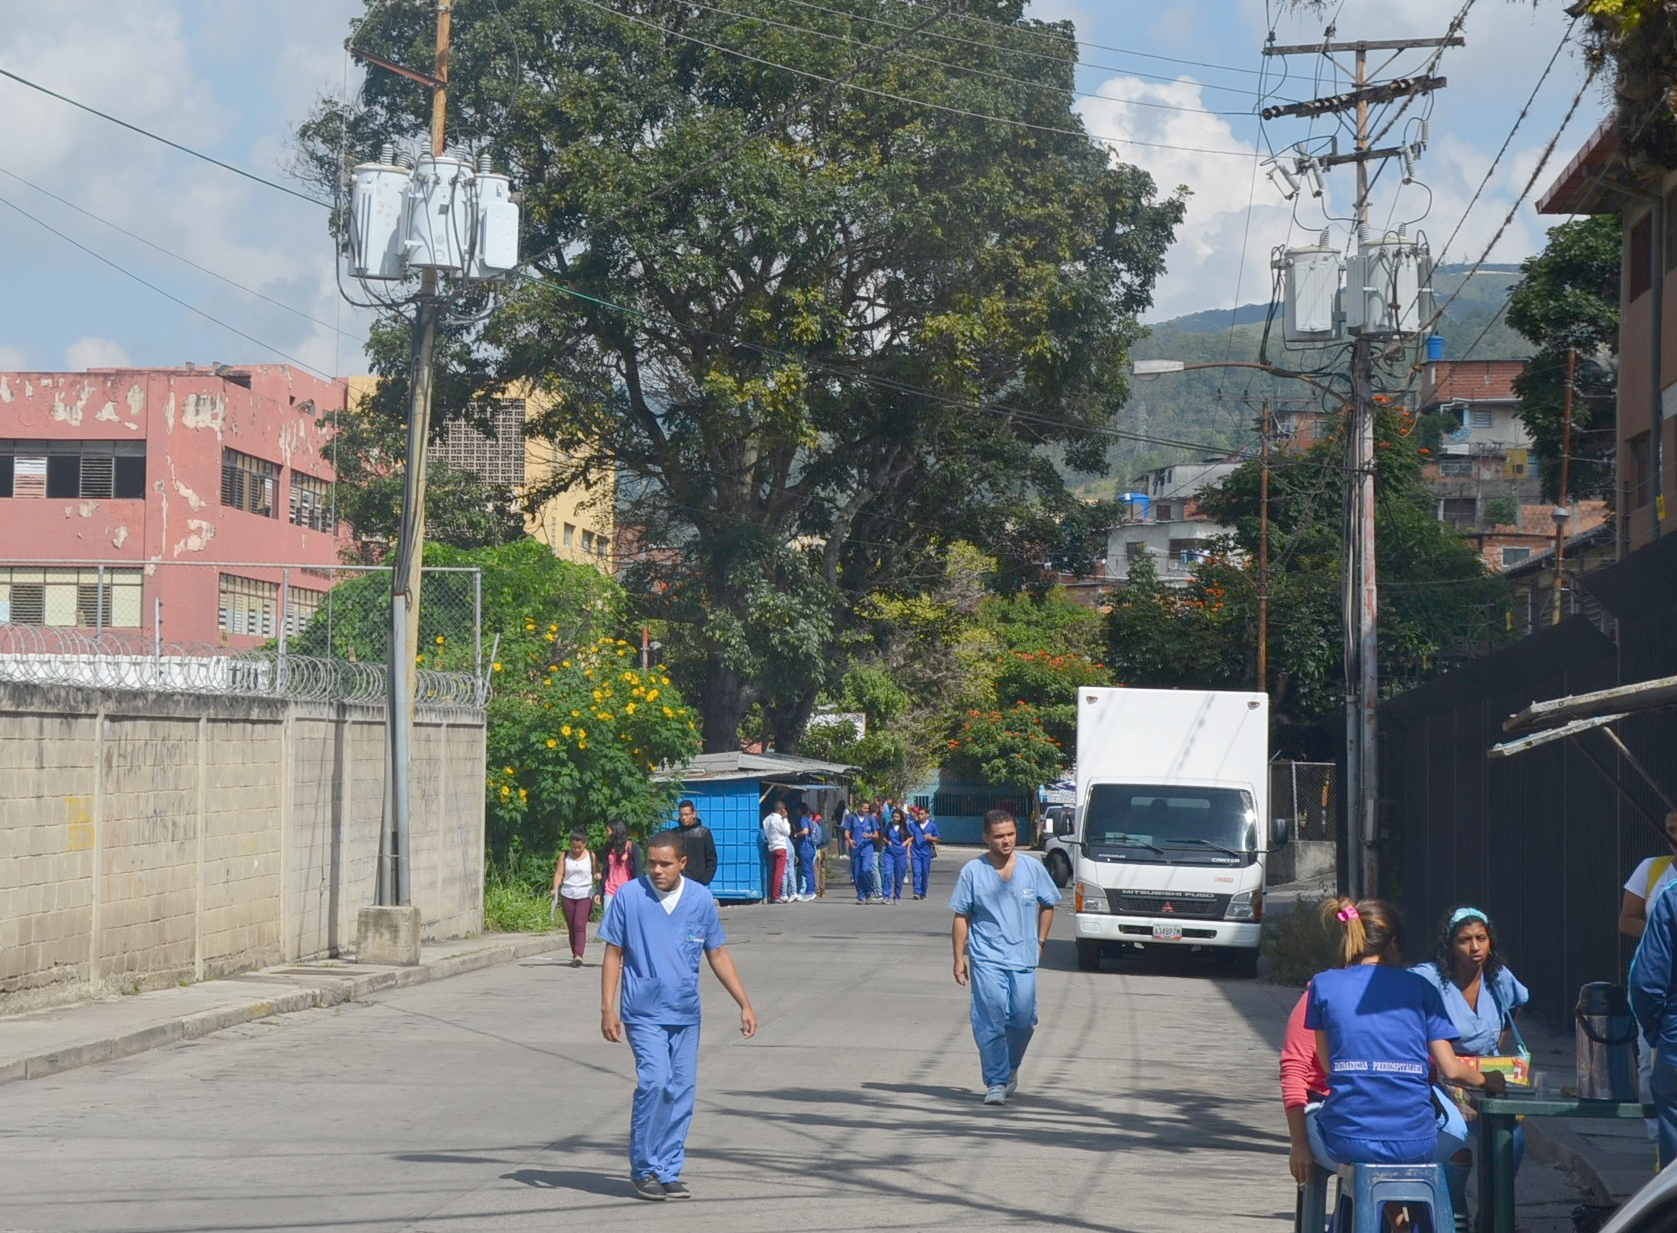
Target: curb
<point>328,992</point>
<point>1558,1146</point>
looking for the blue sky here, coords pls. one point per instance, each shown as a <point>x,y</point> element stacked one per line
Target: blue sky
<point>234,78</point>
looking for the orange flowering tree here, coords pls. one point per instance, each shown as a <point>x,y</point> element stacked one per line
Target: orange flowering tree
<point>1007,748</point>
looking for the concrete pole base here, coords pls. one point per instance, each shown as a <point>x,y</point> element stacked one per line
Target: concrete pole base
<point>388,936</point>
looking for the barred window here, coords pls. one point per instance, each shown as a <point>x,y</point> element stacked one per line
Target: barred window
<point>311,502</point>
<point>71,597</point>
<point>248,483</point>
<point>496,457</point>
<point>73,469</point>
<point>248,606</point>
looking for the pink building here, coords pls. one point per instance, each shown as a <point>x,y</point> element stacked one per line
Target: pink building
<point>120,488</point>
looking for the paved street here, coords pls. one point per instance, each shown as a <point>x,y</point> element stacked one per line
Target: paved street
<point>490,1102</point>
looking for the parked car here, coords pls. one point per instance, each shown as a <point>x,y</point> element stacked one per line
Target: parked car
<point>1058,851</point>
<point>1653,1209</point>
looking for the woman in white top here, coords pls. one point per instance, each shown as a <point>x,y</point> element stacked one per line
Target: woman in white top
<point>1646,881</point>
<point>573,886</point>
<point>777,834</point>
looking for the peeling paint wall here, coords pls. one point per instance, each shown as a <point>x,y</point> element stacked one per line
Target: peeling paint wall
<point>186,418</point>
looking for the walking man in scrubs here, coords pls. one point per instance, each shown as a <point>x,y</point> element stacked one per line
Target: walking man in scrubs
<point>1004,907</point>
<point>655,930</point>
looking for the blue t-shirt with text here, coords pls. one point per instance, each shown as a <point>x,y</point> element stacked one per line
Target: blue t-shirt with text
<point>661,950</point>
<point>1002,915</point>
<point>1379,1022</point>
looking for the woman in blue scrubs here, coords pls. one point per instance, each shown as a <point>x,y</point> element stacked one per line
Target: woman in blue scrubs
<point>1481,995</point>
<point>893,838</point>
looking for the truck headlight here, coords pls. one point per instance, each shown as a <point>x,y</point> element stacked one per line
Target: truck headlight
<point>1091,898</point>
<point>1248,905</point>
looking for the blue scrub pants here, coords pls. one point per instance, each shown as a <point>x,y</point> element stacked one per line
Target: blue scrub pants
<point>921,862</point>
<point>1003,1018</point>
<point>806,868</point>
<point>1663,1088</point>
<point>896,868</point>
<point>861,871</point>
<point>666,1078</point>
<point>1452,1137</point>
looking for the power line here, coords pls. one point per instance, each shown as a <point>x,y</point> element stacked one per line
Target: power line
<point>1019,51</point>
<point>173,145</point>
<point>178,257</point>
<point>166,295</point>
<point>959,68</point>
<point>1506,142</point>
<point>901,98</point>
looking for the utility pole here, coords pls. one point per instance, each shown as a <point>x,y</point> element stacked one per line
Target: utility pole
<point>1562,513</point>
<point>1360,595</point>
<point>1263,549</point>
<point>395,887</point>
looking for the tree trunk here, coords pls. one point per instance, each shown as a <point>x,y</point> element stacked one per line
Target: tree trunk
<point>725,705</point>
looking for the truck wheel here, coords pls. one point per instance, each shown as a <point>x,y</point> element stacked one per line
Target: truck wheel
<point>1242,963</point>
<point>1059,868</point>
<point>1088,956</point>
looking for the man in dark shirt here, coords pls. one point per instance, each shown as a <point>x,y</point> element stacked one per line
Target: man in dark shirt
<point>701,848</point>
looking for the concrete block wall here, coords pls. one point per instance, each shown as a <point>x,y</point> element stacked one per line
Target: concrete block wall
<point>149,839</point>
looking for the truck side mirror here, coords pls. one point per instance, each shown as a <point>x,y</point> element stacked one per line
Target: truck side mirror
<point>1278,832</point>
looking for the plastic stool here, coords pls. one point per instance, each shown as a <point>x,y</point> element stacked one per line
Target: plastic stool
<point>1366,1190</point>
<point>1311,1215</point>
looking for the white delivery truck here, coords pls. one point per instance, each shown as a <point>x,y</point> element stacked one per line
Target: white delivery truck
<point>1172,824</point>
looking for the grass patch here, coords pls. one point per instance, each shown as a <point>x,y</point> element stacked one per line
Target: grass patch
<point>1298,944</point>
<point>515,898</point>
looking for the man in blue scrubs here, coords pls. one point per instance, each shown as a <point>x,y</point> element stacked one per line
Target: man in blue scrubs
<point>655,930</point>
<point>1004,907</point>
<point>862,831</point>
<point>926,838</point>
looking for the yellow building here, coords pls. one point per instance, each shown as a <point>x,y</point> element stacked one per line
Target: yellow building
<point>577,525</point>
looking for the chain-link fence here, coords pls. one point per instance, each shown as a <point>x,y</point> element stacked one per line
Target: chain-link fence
<point>1307,795</point>
<point>297,631</point>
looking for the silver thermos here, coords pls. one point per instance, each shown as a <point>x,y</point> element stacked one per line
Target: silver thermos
<point>1606,1043</point>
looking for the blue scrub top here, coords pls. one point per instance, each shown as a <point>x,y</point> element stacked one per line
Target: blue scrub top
<point>661,950</point>
<point>1378,1021</point>
<point>860,824</point>
<point>919,832</point>
<point>895,835</point>
<point>1003,915</point>
<point>1480,1028</point>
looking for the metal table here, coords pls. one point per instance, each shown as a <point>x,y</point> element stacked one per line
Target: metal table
<point>1495,1152</point>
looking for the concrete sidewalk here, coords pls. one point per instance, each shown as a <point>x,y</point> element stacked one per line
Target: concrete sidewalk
<point>46,1042</point>
<point>1612,1159</point>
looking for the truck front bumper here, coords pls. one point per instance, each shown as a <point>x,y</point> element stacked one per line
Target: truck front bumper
<point>1112,930</point>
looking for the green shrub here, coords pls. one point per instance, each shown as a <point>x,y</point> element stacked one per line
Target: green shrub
<point>1298,944</point>
<point>515,896</point>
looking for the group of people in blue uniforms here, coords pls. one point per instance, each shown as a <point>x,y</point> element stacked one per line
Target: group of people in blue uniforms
<point>1371,1041</point>
<point>889,843</point>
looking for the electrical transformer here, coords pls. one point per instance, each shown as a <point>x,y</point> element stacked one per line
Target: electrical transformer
<point>439,224</point>
<point>1388,287</point>
<point>377,215</point>
<point>1310,291</point>
<point>495,224</point>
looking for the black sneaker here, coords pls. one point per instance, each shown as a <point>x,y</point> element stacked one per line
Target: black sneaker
<point>649,1187</point>
<point>677,1190</point>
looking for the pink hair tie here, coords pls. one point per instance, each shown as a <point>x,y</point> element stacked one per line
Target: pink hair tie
<point>1349,913</point>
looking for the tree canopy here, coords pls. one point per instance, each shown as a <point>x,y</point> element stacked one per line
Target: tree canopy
<point>824,290</point>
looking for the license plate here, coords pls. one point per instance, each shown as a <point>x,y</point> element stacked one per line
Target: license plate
<point>1167,933</point>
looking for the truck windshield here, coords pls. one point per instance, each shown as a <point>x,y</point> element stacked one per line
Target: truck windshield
<point>1187,826</point>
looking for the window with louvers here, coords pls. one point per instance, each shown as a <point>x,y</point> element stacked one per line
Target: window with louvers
<point>73,469</point>
<point>311,502</point>
<point>248,606</point>
<point>248,483</point>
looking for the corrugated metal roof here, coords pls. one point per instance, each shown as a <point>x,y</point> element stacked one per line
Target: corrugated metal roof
<point>735,764</point>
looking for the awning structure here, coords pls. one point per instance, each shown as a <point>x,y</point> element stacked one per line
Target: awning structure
<point>1577,714</point>
<point>785,770</point>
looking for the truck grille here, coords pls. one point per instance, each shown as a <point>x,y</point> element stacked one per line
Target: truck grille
<point>1188,905</point>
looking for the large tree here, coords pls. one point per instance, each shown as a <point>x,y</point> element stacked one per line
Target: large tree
<point>1568,299</point>
<point>822,287</point>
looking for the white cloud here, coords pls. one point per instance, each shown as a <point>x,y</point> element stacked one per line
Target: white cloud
<point>13,359</point>
<point>93,352</point>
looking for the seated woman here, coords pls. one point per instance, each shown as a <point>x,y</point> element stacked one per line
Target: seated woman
<point>1380,1031</point>
<point>1481,995</point>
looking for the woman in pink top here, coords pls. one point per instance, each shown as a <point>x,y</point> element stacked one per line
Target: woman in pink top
<point>1304,1085</point>
<point>620,859</point>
